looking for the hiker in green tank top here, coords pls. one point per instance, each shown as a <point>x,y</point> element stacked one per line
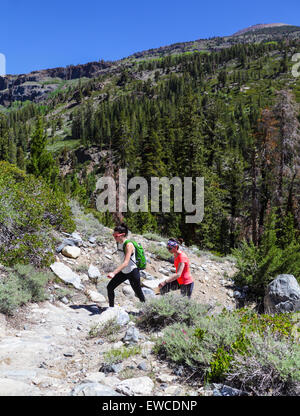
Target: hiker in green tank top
<point>128,269</point>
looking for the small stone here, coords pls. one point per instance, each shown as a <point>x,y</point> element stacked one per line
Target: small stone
<point>165,378</point>
<point>132,335</point>
<point>142,366</point>
<point>110,368</point>
<point>178,371</point>
<point>71,251</point>
<point>128,291</point>
<point>69,354</point>
<point>148,293</point>
<point>237,294</point>
<point>140,386</point>
<point>76,236</point>
<point>173,390</point>
<point>99,341</point>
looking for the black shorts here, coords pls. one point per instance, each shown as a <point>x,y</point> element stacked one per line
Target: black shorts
<point>185,290</point>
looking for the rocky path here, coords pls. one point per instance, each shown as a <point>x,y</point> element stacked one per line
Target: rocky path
<point>46,349</point>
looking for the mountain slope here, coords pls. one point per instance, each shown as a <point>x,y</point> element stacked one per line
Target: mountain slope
<point>37,85</point>
<point>220,108</point>
<point>259,26</point>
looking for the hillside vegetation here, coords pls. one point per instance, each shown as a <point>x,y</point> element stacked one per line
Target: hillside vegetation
<point>29,211</point>
<point>228,113</point>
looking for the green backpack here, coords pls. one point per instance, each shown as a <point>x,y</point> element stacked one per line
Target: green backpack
<point>139,254</point>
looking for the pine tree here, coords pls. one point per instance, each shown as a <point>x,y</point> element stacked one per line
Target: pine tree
<point>152,156</point>
<point>41,162</point>
<point>21,158</point>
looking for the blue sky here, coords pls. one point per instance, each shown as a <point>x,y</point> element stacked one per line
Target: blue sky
<point>37,34</point>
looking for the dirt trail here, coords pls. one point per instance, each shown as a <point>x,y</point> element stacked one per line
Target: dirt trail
<point>45,349</point>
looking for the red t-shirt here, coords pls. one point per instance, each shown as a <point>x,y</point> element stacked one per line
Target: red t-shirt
<point>185,277</point>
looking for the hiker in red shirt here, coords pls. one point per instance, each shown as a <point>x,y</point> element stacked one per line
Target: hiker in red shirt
<point>182,279</point>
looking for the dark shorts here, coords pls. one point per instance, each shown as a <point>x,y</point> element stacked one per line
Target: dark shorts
<point>185,290</point>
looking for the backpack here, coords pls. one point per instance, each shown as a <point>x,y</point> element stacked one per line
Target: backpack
<point>140,257</point>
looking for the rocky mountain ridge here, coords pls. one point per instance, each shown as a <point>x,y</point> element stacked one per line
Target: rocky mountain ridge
<point>259,26</point>
<point>37,85</point>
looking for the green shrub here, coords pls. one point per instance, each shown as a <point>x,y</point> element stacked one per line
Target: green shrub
<point>63,292</point>
<point>29,211</point>
<point>180,345</point>
<point>12,294</point>
<point>270,368</point>
<point>211,347</point>
<point>117,355</point>
<point>109,328</point>
<point>159,251</point>
<point>86,222</point>
<point>222,359</point>
<point>168,309</point>
<point>33,280</point>
<point>206,347</point>
<point>284,325</point>
<point>22,284</point>
<point>154,237</point>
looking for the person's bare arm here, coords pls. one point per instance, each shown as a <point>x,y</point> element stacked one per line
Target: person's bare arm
<point>174,277</point>
<point>128,252</point>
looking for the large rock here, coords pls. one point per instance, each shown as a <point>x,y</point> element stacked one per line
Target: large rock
<point>140,386</point>
<point>128,291</point>
<point>95,296</point>
<point>149,293</point>
<point>116,314</point>
<point>282,295</point>
<point>34,88</point>
<point>76,237</point>
<point>71,251</point>
<point>152,284</point>
<point>10,387</point>
<point>101,378</point>
<point>93,389</point>
<point>164,271</point>
<point>66,274</point>
<point>68,242</point>
<point>223,390</point>
<point>93,272</point>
